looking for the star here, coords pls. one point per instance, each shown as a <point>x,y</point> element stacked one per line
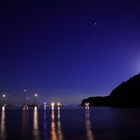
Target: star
<point>95,23</point>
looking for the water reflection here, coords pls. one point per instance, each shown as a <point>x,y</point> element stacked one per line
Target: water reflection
<point>56,133</point>
<point>53,127</point>
<point>45,125</point>
<point>3,136</point>
<point>60,134</point>
<point>25,122</point>
<point>88,126</point>
<point>36,133</point>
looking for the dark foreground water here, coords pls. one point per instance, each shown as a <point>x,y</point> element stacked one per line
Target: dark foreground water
<point>96,124</point>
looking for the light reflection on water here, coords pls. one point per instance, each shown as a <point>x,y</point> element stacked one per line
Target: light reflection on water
<point>56,131</point>
<point>109,124</point>
<point>25,122</point>
<point>2,125</point>
<point>89,132</point>
<point>45,126</point>
<point>60,134</point>
<point>45,119</point>
<point>36,132</point>
<point>53,127</point>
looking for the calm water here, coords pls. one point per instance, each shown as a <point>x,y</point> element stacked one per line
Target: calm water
<point>96,124</point>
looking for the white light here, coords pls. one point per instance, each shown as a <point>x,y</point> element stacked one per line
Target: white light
<point>58,104</point>
<point>3,95</point>
<point>36,95</point>
<point>52,104</point>
<point>86,105</point>
<point>3,108</point>
<point>25,107</point>
<point>35,108</point>
<point>25,90</point>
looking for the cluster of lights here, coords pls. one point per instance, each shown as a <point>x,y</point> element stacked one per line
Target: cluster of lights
<point>36,95</point>
<point>86,105</point>
<point>4,104</point>
<point>25,107</point>
<point>53,105</point>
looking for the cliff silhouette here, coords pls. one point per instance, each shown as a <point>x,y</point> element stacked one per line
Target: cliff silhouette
<point>127,94</point>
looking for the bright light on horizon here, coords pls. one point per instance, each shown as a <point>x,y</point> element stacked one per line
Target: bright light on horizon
<point>58,104</point>
<point>3,108</point>
<point>35,108</point>
<point>87,106</point>
<point>52,104</point>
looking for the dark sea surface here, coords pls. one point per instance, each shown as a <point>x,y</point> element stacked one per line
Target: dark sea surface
<point>71,124</point>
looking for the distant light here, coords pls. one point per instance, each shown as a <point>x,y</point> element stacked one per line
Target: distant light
<point>95,23</point>
<point>58,104</point>
<point>27,98</point>
<point>3,95</point>
<point>45,105</point>
<point>58,108</point>
<point>36,95</point>
<point>35,108</point>
<point>3,108</point>
<point>52,104</point>
<point>25,90</point>
<point>87,106</point>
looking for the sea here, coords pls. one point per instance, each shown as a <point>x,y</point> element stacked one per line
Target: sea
<point>100,123</point>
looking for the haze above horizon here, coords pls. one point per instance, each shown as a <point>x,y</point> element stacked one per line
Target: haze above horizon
<point>68,50</point>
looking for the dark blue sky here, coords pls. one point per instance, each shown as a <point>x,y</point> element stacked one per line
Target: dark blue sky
<point>68,50</point>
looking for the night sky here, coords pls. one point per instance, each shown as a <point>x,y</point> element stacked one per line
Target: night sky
<point>68,50</point>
